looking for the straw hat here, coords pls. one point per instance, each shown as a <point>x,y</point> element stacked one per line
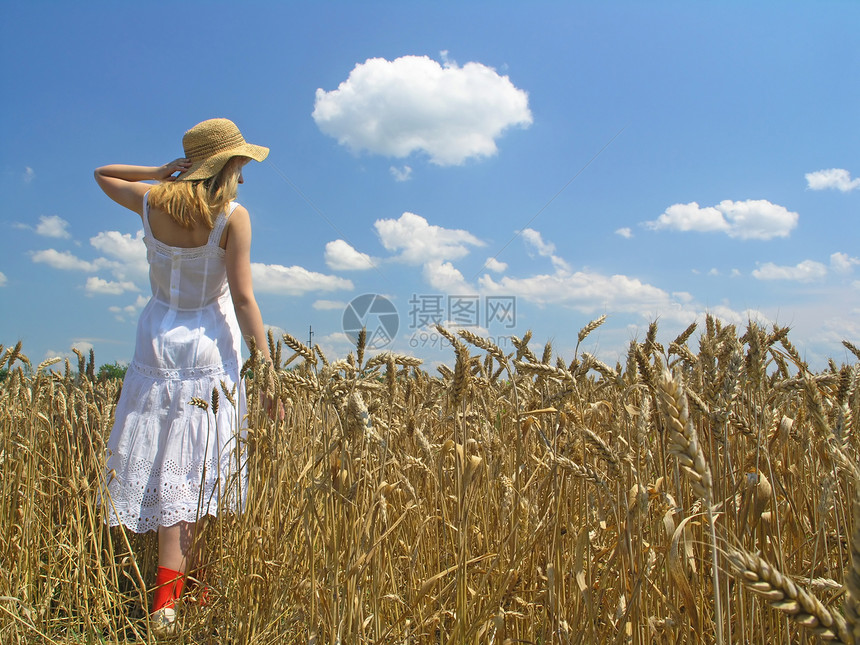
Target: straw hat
<point>211,144</point>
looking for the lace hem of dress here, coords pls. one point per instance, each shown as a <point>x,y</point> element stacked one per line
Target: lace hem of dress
<point>133,521</point>
<point>183,373</point>
<point>142,498</point>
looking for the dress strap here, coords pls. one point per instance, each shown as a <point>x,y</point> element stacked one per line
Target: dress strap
<point>220,223</point>
<point>147,230</point>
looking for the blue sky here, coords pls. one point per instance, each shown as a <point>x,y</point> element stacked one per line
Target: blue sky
<point>502,166</point>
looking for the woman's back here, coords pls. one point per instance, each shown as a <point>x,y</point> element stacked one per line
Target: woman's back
<point>167,231</point>
<point>189,322</point>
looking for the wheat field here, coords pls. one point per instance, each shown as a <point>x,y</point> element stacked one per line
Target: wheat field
<point>703,492</point>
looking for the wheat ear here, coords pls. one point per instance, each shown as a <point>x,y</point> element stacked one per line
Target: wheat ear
<point>683,438</point>
<point>684,445</point>
<point>783,594</point>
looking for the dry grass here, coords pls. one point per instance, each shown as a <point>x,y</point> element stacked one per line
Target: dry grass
<point>691,495</point>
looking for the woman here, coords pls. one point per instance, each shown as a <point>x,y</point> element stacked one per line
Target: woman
<point>170,463</point>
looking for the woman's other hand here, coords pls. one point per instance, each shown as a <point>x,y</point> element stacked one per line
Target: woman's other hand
<point>273,406</point>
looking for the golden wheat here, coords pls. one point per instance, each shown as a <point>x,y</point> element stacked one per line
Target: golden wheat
<point>506,498</point>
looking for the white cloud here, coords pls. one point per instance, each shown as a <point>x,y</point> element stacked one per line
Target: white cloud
<point>495,265</point>
<point>715,272</point>
<point>739,318</point>
<point>3,279</point>
<point>689,217</point>
<point>277,332</point>
<point>98,286</point>
<point>534,240</point>
<point>401,174</point>
<point>587,292</point>
<point>340,256</point>
<point>843,263</point>
<point>413,103</point>
<point>129,311</point>
<point>836,178</point>
<point>755,219</point>
<point>443,277</point>
<point>624,232</point>
<point>83,346</point>
<point>62,260</point>
<point>683,296</point>
<point>420,242</point>
<point>53,226</point>
<point>294,280</point>
<point>806,271</point>
<point>338,337</point>
<point>128,252</point>
<point>335,345</point>
<point>325,305</point>
<point>29,174</point>
<point>126,261</point>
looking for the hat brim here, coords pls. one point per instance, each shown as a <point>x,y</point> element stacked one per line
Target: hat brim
<point>211,166</point>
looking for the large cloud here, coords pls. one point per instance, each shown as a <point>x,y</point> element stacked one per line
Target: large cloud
<point>419,242</point>
<point>836,178</point>
<point>294,280</point>
<point>413,103</point>
<point>755,219</point>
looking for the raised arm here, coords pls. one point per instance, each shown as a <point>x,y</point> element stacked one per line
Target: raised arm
<point>238,260</point>
<point>124,184</point>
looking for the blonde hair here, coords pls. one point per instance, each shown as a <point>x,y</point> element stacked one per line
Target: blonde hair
<point>198,202</point>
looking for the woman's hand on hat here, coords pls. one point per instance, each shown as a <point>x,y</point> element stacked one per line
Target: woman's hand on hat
<point>166,172</point>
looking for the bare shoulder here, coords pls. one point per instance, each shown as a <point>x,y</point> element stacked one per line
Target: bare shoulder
<point>238,229</point>
<point>240,211</point>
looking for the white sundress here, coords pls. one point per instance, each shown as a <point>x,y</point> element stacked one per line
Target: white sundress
<point>169,461</point>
